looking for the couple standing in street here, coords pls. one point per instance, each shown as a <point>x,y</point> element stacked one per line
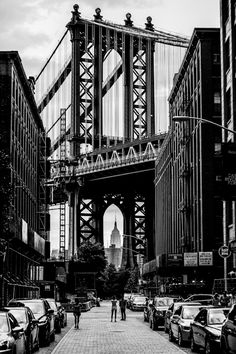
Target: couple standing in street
<point>122,305</point>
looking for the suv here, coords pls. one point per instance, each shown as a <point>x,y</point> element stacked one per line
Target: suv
<point>157,311</point>
<point>204,299</point>
<point>28,322</point>
<point>57,323</point>
<point>228,332</point>
<point>43,313</point>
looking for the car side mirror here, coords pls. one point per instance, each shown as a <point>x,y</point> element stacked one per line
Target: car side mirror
<point>202,322</point>
<point>50,311</point>
<point>176,317</point>
<point>35,321</point>
<point>16,330</point>
<point>234,321</point>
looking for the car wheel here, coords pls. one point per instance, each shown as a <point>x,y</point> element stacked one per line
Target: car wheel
<point>30,346</point>
<point>171,337</point>
<point>52,337</point>
<point>58,328</point>
<point>208,347</point>
<point>165,327</point>
<point>180,339</point>
<point>47,338</point>
<point>223,347</point>
<point>36,347</point>
<point>193,346</point>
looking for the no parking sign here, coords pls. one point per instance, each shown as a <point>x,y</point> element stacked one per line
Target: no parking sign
<point>224,251</point>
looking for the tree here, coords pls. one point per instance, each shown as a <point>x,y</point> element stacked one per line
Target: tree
<point>132,282</point>
<point>92,255</point>
<point>113,281</point>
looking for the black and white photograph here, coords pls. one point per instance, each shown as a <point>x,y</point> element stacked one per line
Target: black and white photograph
<point>118,177</point>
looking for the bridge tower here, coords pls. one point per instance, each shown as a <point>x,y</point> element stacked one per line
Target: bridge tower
<point>91,44</point>
<point>105,85</point>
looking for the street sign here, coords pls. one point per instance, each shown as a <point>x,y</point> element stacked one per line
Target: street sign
<point>205,258</point>
<point>224,251</point>
<point>190,259</point>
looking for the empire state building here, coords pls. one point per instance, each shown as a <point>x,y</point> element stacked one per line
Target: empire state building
<point>113,253</point>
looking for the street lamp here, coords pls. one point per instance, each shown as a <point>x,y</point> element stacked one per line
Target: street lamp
<point>179,119</point>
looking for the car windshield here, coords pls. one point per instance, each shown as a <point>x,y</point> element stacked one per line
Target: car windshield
<point>190,312</point>
<point>20,315</point>
<point>52,305</point>
<point>37,308</point>
<point>163,301</point>
<point>201,297</point>
<point>217,316</point>
<point>139,299</point>
<point>4,327</point>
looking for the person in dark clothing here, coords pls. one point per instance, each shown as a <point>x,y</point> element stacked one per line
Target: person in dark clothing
<point>113,308</point>
<point>123,304</point>
<point>225,299</point>
<point>77,313</point>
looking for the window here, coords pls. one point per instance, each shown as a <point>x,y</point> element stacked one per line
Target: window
<point>217,103</point>
<point>228,106</point>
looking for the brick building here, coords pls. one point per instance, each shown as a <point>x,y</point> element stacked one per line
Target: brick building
<point>188,220</point>
<point>23,147</point>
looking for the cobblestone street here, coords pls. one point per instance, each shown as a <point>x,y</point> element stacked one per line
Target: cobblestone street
<point>97,335</point>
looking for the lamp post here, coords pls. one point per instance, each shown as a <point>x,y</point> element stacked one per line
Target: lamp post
<point>179,119</point>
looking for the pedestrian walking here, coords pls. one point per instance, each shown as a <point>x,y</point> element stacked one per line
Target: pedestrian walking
<point>225,299</point>
<point>216,300</point>
<point>113,308</point>
<point>77,313</point>
<point>123,304</point>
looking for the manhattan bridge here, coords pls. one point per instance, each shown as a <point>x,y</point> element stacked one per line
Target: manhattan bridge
<point>102,96</point>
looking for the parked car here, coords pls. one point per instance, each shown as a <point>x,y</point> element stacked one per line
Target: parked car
<point>63,314</point>
<point>228,332</point>
<point>28,322</point>
<point>157,311</point>
<point>169,312</point>
<point>206,329</point>
<point>45,316</point>
<point>130,299</point>
<point>138,303</point>
<point>57,314</point>
<point>180,321</point>
<point>204,299</point>
<point>12,336</point>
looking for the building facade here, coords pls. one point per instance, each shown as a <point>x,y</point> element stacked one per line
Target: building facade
<point>188,220</point>
<point>228,91</point>
<point>24,146</point>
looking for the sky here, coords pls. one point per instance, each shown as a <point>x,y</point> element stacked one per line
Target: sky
<point>34,27</point>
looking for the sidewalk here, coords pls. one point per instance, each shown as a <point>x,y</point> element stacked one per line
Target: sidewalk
<point>98,335</point>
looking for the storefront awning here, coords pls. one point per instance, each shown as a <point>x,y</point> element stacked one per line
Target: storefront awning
<point>15,280</point>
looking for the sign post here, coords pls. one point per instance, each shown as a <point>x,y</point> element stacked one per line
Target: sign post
<point>224,252</point>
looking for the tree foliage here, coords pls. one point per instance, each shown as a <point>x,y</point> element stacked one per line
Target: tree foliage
<point>92,255</point>
<point>132,282</point>
<point>113,281</point>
